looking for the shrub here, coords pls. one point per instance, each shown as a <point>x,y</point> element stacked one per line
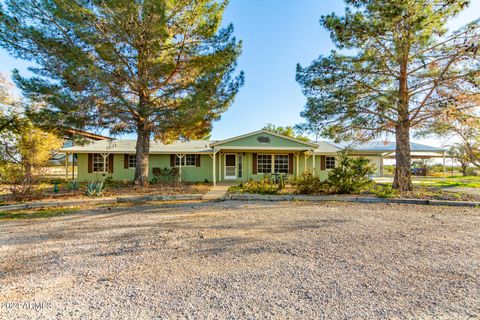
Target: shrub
<point>351,175</point>
<point>265,186</point>
<point>384,191</point>
<point>308,183</point>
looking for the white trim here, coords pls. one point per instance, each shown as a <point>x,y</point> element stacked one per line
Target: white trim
<point>281,149</point>
<point>264,132</point>
<point>225,166</point>
<point>272,161</point>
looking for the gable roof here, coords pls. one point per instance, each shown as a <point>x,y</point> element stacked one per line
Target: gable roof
<point>263,131</point>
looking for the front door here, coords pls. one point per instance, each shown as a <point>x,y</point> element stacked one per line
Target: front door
<point>230,166</point>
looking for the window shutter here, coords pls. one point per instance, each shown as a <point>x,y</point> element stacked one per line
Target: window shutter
<point>197,160</point>
<point>254,169</point>
<point>322,162</point>
<point>290,163</point>
<point>125,161</point>
<point>90,163</point>
<point>172,160</point>
<point>110,163</point>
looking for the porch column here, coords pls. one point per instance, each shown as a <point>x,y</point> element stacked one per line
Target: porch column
<point>444,167</point>
<point>305,158</point>
<point>66,166</point>
<point>313,163</point>
<point>180,156</point>
<point>73,166</point>
<point>297,158</point>
<point>214,169</point>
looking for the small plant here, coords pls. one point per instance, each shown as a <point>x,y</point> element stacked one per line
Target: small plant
<point>351,175</point>
<point>72,185</point>
<point>308,183</point>
<point>264,186</point>
<point>281,182</point>
<point>384,191</point>
<point>95,188</point>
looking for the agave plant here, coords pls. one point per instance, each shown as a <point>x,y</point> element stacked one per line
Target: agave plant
<point>95,188</point>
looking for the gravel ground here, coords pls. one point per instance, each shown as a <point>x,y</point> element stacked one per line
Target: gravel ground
<point>244,260</point>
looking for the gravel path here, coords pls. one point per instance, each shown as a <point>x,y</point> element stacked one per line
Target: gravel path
<point>244,260</point>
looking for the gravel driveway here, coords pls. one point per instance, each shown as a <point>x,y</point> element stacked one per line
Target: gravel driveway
<point>244,260</point>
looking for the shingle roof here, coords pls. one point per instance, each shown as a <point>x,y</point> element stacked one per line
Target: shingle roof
<point>379,146</point>
<point>204,146</point>
<point>128,146</point>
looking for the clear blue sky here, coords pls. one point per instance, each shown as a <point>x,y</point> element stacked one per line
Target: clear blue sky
<point>276,36</point>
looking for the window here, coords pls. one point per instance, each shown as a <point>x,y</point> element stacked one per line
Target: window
<point>188,160</point>
<point>281,163</point>
<point>132,161</point>
<point>264,163</point>
<point>330,162</point>
<point>99,164</point>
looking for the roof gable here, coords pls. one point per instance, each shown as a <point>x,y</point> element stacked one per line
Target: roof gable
<point>264,138</point>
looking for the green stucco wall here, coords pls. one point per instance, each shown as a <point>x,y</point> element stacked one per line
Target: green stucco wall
<point>193,174</point>
<point>202,173</point>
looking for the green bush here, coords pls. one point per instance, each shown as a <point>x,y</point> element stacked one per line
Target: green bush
<point>384,191</point>
<point>351,175</point>
<point>265,186</point>
<point>308,183</point>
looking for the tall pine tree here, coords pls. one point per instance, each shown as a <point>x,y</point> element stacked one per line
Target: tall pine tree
<point>395,63</point>
<point>153,67</point>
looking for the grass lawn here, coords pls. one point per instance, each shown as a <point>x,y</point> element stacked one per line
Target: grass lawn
<point>40,213</point>
<point>457,181</point>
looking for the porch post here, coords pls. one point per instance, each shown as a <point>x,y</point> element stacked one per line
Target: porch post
<point>180,156</point>
<point>297,158</point>
<point>214,168</point>
<point>305,158</point>
<point>66,166</point>
<point>444,168</point>
<point>73,166</point>
<point>313,162</point>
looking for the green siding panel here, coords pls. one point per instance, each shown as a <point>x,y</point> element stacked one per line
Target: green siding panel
<point>252,141</point>
<point>193,174</point>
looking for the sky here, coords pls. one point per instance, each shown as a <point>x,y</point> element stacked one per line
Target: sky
<point>276,35</point>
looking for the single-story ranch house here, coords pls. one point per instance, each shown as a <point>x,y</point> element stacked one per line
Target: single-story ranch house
<point>240,158</point>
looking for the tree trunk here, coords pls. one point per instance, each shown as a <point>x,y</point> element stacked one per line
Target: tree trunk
<point>464,169</point>
<point>403,179</point>
<point>142,152</point>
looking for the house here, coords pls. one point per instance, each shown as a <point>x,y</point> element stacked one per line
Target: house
<point>240,158</point>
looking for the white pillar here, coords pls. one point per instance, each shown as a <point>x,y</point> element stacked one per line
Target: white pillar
<point>313,163</point>
<point>305,167</point>
<point>444,168</point>
<point>180,156</point>
<point>66,166</point>
<point>214,168</point>
<point>297,158</point>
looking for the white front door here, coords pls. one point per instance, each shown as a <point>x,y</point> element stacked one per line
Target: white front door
<point>230,166</point>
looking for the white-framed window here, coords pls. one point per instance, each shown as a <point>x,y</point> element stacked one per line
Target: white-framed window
<point>99,164</point>
<point>132,161</point>
<point>330,162</point>
<point>281,163</point>
<point>188,160</point>
<point>264,163</point>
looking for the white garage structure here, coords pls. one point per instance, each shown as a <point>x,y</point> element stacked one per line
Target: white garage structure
<point>378,151</point>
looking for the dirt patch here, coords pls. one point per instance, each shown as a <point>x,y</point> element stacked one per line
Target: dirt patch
<point>245,260</point>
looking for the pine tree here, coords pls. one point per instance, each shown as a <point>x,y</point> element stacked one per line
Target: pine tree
<point>396,61</point>
<point>153,67</point>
